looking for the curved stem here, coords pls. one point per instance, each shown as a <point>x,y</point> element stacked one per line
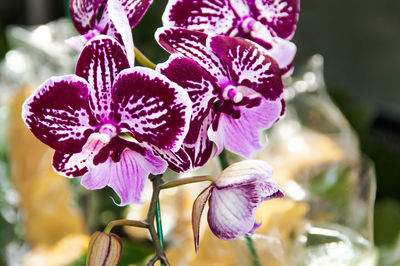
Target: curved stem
<point>184,181</point>
<point>143,59</point>
<point>135,223</point>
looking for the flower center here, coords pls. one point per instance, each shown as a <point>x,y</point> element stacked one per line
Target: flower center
<point>231,92</point>
<point>106,133</point>
<point>251,25</point>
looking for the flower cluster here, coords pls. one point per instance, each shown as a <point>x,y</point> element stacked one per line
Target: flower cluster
<point>113,123</point>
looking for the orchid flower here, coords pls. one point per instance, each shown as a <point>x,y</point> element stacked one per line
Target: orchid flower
<point>83,117</point>
<point>233,199</point>
<point>235,87</point>
<point>270,23</point>
<point>116,20</point>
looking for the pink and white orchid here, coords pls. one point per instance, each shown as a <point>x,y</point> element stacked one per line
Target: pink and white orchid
<point>233,199</point>
<point>82,116</point>
<point>235,87</point>
<point>270,23</point>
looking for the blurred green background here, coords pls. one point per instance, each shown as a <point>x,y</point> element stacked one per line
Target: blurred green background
<point>360,42</point>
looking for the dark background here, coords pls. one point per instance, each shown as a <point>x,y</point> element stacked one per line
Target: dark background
<point>360,41</point>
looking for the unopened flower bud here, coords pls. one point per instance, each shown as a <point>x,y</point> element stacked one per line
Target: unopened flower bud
<point>104,249</point>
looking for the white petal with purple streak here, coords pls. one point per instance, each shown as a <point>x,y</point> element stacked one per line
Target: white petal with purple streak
<point>242,135</point>
<point>191,44</point>
<point>153,108</point>
<point>127,176</point>
<point>211,16</point>
<point>118,16</point>
<point>249,65</point>
<point>58,113</point>
<point>83,14</point>
<point>99,63</point>
<point>279,15</point>
<point>237,194</point>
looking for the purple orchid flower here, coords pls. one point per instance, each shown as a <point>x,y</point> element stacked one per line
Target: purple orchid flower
<point>83,116</point>
<point>233,199</point>
<point>235,87</point>
<point>270,23</point>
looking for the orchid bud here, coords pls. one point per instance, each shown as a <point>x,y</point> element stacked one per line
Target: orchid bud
<point>104,249</point>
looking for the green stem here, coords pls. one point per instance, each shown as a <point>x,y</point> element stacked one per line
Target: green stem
<point>151,215</point>
<point>135,223</point>
<point>254,258</point>
<point>143,60</point>
<point>184,181</point>
<point>159,225</point>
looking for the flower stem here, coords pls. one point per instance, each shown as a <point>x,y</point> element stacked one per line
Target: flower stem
<point>143,59</point>
<point>254,258</point>
<point>184,181</point>
<point>159,225</point>
<point>151,215</point>
<point>135,223</point>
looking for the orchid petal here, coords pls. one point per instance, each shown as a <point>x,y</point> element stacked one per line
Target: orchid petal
<point>211,16</point>
<point>237,194</point>
<point>117,15</point>
<point>135,10</point>
<point>283,51</point>
<point>279,15</point>
<point>99,63</point>
<point>198,207</point>
<point>153,108</point>
<point>191,44</point>
<point>126,176</point>
<point>178,161</point>
<point>202,91</point>
<point>74,165</point>
<point>242,135</point>
<point>58,113</point>
<point>83,14</point>
<point>201,150</point>
<point>249,65</point>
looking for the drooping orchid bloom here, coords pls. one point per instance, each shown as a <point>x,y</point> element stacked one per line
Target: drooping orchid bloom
<point>233,199</point>
<point>235,87</point>
<point>82,117</point>
<point>270,23</point>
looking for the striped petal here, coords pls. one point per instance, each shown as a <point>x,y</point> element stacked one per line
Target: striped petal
<point>178,161</point>
<point>58,113</point>
<point>203,91</point>
<point>191,44</point>
<point>83,14</point>
<point>125,172</point>
<point>237,194</point>
<point>135,10</point>
<point>249,65</point>
<point>279,15</point>
<point>211,16</point>
<point>153,108</point>
<point>120,21</point>
<point>99,63</point>
<point>242,135</point>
